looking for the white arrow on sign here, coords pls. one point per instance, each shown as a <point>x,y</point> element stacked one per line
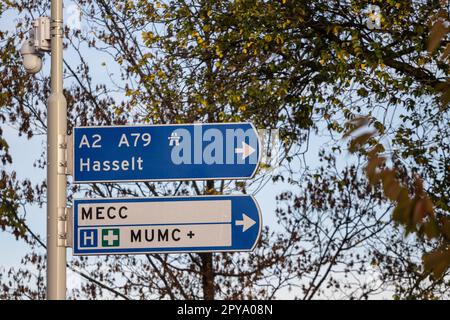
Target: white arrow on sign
<point>246,222</point>
<point>246,150</point>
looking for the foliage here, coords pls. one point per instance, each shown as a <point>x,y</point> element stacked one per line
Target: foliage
<point>414,207</point>
<point>306,68</point>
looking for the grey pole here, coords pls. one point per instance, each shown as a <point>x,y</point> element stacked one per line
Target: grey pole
<point>56,175</point>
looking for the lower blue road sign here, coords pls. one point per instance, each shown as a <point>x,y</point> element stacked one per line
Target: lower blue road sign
<point>165,225</point>
<point>165,152</point>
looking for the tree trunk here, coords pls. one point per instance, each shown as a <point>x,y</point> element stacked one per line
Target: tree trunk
<point>208,276</point>
<point>207,260</point>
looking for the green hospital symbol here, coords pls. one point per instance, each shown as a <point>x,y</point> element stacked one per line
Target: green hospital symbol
<point>110,237</point>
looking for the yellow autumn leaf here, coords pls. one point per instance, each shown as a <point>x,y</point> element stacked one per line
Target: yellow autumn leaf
<point>219,52</point>
<point>279,39</point>
<point>161,74</point>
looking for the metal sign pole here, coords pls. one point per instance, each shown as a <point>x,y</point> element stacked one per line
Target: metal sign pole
<point>56,175</point>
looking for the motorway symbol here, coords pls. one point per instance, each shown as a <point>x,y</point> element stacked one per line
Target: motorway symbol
<point>165,224</point>
<point>165,152</point>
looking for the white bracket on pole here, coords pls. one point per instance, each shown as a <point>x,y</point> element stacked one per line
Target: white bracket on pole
<point>62,170</point>
<point>62,154</point>
<point>69,154</point>
<point>41,33</point>
<point>69,227</point>
<point>63,227</point>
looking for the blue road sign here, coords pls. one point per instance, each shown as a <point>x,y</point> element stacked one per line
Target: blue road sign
<point>165,225</point>
<point>165,152</point>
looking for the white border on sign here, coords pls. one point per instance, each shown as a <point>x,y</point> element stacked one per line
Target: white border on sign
<point>172,179</point>
<point>167,252</point>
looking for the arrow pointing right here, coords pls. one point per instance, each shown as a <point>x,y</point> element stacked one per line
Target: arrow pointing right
<point>246,222</point>
<point>246,150</point>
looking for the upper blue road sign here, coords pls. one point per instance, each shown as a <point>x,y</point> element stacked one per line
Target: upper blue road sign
<point>165,152</point>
